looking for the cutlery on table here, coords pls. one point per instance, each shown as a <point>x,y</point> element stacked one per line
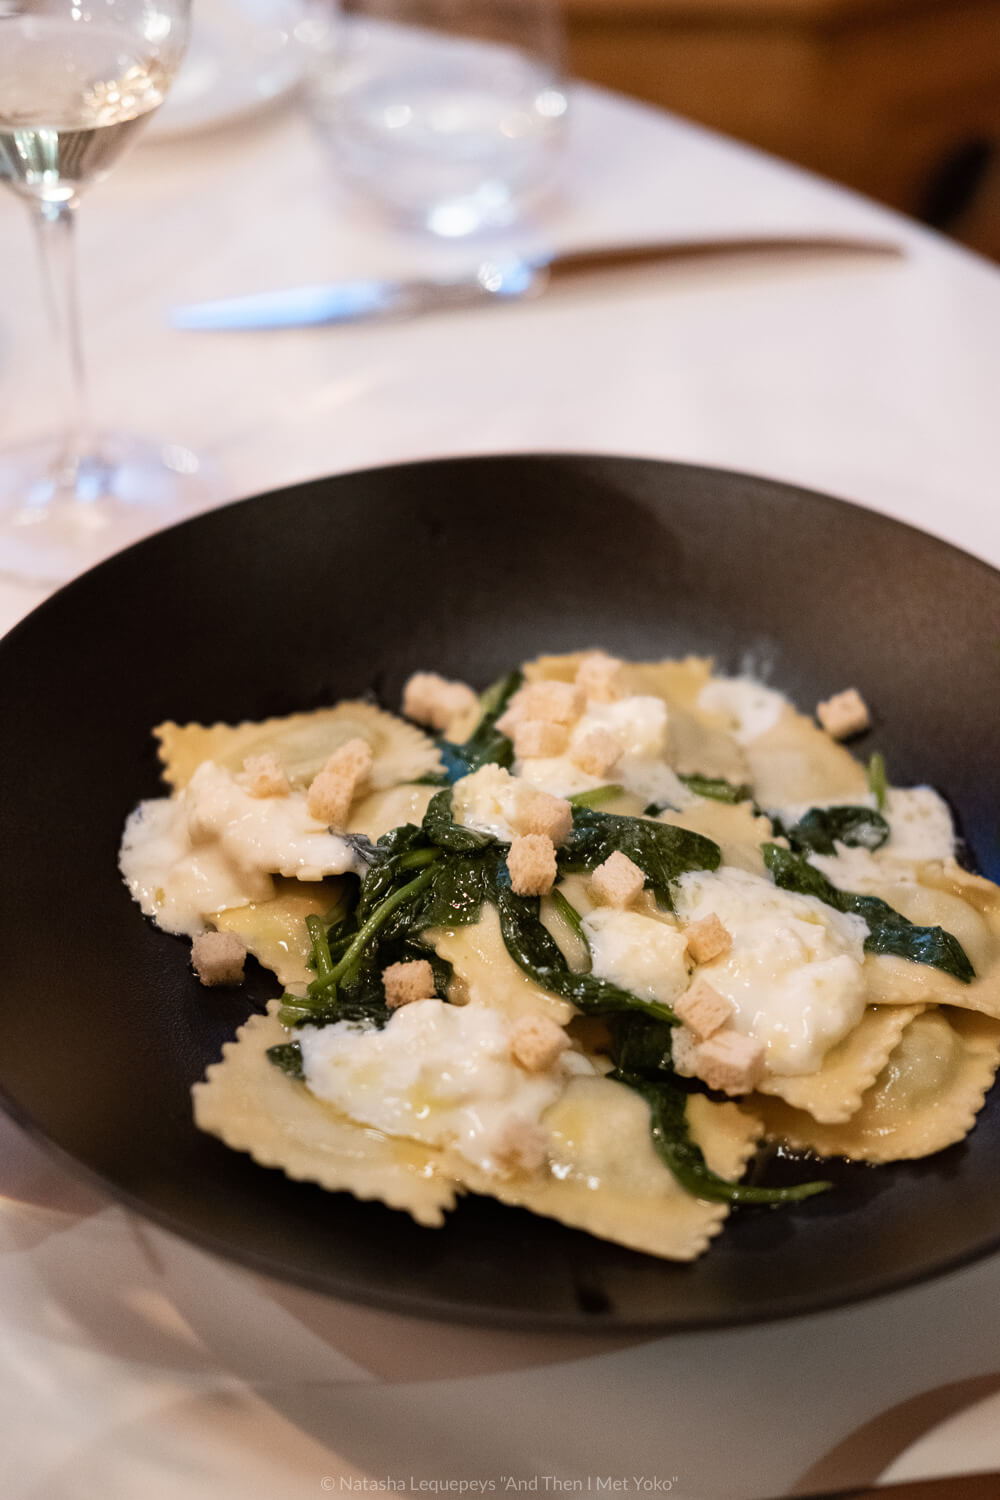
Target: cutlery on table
<point>493,280</point>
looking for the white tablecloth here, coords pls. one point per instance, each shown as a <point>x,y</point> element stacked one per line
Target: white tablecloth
<point>132,1364</point>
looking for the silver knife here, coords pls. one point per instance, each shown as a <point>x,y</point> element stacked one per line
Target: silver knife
<point>494,280</point>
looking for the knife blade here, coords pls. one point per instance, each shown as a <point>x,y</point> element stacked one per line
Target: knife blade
<point>491,280</point>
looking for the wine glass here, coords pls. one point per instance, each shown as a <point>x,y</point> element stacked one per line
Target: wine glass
<point>78,80</point>
<point>448,114</point>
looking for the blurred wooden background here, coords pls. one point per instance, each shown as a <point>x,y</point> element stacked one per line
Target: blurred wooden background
<point>898,98</point>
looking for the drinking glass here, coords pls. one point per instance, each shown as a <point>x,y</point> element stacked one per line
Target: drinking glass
<point>78,80</point>
<point>447,113</point>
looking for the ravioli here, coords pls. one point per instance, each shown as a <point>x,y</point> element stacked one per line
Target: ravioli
<point>925,1099</point>
<point>835,1091</point>
<point>603,1175</point>
<point>253,1107</point>
<point>303,743</point>
<point>907,1079</point>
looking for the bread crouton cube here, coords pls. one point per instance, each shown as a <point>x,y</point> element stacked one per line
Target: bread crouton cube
<point>730,1062</point>
<point>597,753</point>
<point>844,714</point>
<point>532,864</point>
<point>413,980</point>
<point>551,702</point>
<point>329,798</point>
<point>617,881</point>
<point>536,1042</point>
<point>436,701</point>
<point>683,1051</point>
<point>263,776</point>
<point>333,790</point>
<point>539,737</point>
<point>707,939</point>
<point>543,813</point>
<point>702,1009</point>
<point>600,676</point>
<point>218,958</point>
<point>521,1146</point>
<point>353,758</point>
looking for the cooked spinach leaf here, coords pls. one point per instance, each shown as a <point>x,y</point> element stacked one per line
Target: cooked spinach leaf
<point>396,852</point>
<point>441,829</point>
<point>820,827</point>
<point>718,789</point>
<point>641,1045</point>
<point>485,745</point>
<point>888,930</point>
<point>535,951</point>
<point>662,851</point>
<point>456,894</point>
<point>878,782</point>
<point>288,1057</point>
<point>596,795</point>
<point>572,918</point>
<point>667,1102</point>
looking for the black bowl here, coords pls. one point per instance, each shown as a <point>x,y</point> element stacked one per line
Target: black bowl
<point>343,587</point>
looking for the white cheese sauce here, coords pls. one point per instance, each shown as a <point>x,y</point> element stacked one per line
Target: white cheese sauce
<point>488,799</point>
<point>212,846</point>
<point>794,972</point>
<point>641,726</point>
<point>638,953</point>
<point>921,824</point>
<point>750,707</point>
<point>437,1073</point>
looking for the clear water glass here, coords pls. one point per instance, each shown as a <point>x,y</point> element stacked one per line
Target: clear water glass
<point>78,84</point>
<point>447,114</point>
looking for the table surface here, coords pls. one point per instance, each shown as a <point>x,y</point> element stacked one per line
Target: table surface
<point>132,1363</point>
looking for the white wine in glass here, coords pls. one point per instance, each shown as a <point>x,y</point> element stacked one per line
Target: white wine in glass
<point>78,79</point>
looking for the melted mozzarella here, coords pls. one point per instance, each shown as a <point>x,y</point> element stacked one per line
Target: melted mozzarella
<point>638,953</point>
<point>213,846</point>
<point>793,973</point>
<point>437,1073</point>
<point>921,825</point>
<point>641,726</point>
<point>487,800</point>
<point>750,707</point>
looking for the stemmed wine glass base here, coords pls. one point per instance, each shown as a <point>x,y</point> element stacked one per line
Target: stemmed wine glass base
<point>58,517</point>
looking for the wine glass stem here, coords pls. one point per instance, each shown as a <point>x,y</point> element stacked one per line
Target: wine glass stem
<point>56,228</point>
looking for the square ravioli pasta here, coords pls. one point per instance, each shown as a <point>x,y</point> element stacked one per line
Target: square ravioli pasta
<point>579,943</point>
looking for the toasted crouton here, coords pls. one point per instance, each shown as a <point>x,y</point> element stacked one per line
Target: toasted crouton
<point>683,1051</point>
<point>730,1062</point>
<point>703,1009</point>
<point>521,1146</point>
<point>334,789</point>
<point>707,939</point>
<point>409,981</point>
<point>552,702</point>
<point>597,753</point>
<point>617,881</point>
<point>218,958</point>
<point>539,737</point>
<point>436,701</point>
<point>543,813</point>
<point>536,1042</point>
<point>532,864</point>
<point>263,777</point>
<point>353,758</point>
<point>844,714</point>
<point>329,799</point>
<point>599,675</point>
